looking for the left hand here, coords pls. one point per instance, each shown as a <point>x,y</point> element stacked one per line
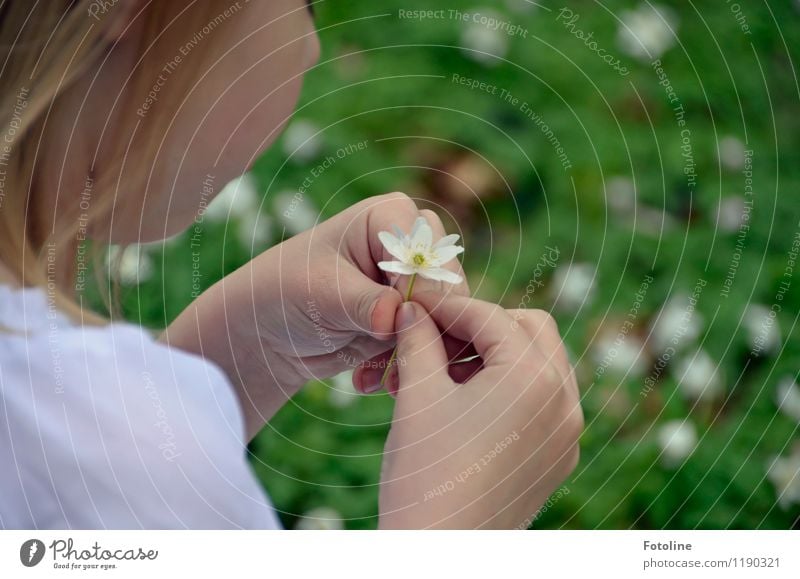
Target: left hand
<point>310,307</point>
<point>324,305</point>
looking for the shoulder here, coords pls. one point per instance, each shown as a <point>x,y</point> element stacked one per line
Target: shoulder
<point>109,428</point>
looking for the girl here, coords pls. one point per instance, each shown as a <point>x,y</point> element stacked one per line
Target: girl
<point>117,115</point>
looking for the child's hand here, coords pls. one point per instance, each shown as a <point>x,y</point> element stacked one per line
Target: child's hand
<point>311,307</point>
<point>486,453</point>
<point>324,304</point>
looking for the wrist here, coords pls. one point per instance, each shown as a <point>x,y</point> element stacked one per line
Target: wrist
<point>217,327</point>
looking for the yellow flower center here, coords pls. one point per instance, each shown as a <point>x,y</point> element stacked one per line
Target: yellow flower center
<point>418,259</point>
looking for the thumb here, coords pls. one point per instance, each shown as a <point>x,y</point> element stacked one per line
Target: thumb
<point>370,308</point>
<point>421,354</point>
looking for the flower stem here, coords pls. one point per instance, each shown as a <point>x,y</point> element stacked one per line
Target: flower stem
<point>411,286</point>
<point>394,352</point>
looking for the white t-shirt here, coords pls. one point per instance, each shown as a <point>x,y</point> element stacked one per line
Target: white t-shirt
<point>106,428</point>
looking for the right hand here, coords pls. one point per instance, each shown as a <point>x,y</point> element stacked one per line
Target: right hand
<point>486,453</point>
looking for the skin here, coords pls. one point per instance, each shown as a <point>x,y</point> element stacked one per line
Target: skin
<point>258,324</point>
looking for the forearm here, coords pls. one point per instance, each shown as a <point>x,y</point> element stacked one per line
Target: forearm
<point>221,326</point>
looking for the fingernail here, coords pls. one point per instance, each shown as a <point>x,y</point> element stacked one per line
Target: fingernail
<point>372,388</point>
<point>405,315</point>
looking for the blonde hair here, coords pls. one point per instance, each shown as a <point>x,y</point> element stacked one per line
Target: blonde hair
<point>46,46</point>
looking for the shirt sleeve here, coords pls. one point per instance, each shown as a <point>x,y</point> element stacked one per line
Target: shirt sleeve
<point>122,432</point>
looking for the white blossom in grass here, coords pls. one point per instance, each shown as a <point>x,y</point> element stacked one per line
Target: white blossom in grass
<point>730,212</point>
<point>295,211</point>
<point>621,355</point>
<point>302,141</point>
<point>521,6</point>
<point>133,265</point>
<point>677,325</point>
<point>621,194</point>
<point>648,31</point>
<point>731,152</point>
<point>763,330</point>
<point>237,199</point>
<point>341,393</point>
<point>653,222</point>
<point>698,376</point>
<point>254,230</point>
<point>677,439</point>
<point>573,285</point>
<point>787,397</point>
<point>417,254</point>
<point>482,43</point>
<point>320,519</point>
<point>784,474</point>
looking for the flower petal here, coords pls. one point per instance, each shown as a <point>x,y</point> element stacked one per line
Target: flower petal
<point>446,240</point>
<point>445,254</point>
<point>421,235</point>
<point>440,274</point>
<point>393,245</point>
<point>399,233</point>
<point>396,267</point>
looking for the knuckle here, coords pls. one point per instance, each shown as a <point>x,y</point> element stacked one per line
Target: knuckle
<point>391,202</point>
<point>539,323</point>
<point>549,377</point>
<point>545,320</point>
<point>495,312</point>
<point>432,217</point>
<point>396,197</point>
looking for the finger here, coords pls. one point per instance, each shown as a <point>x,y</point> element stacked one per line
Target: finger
<point>421,355</point>
<point>543,329</point>
<point>367,377</point>
<point>369,307</point>
<point>487,326</point>
<point>464,371</point>
<point>369,218</point>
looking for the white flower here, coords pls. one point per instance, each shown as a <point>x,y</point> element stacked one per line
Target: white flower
<point>621,354</point>
<point>301,141</point>
<point>320,519</point>
<point>763,330</point>
<point>787,397</point>
<point>731,152</point>
<point>621,194</point>
<point>238,198</point>
<point>730,212</point>
<point>295,211</point>
<point>676,325</point>
<point>573,285</point>
<point>134,265</point>
<point>677,439</point>
<point>653,222</point>
<point>341,394</point>
<point>784,473</point>
<point>417,254</point>
<point>647,32</point>
<point>521,6</point>
<point>481,43</point>
<point>698,376</point>
<point>254,230</point>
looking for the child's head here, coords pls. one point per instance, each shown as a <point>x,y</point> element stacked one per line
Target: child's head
<point>118,114</point>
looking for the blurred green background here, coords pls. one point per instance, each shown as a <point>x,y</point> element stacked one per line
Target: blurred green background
<point>692,408</point>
